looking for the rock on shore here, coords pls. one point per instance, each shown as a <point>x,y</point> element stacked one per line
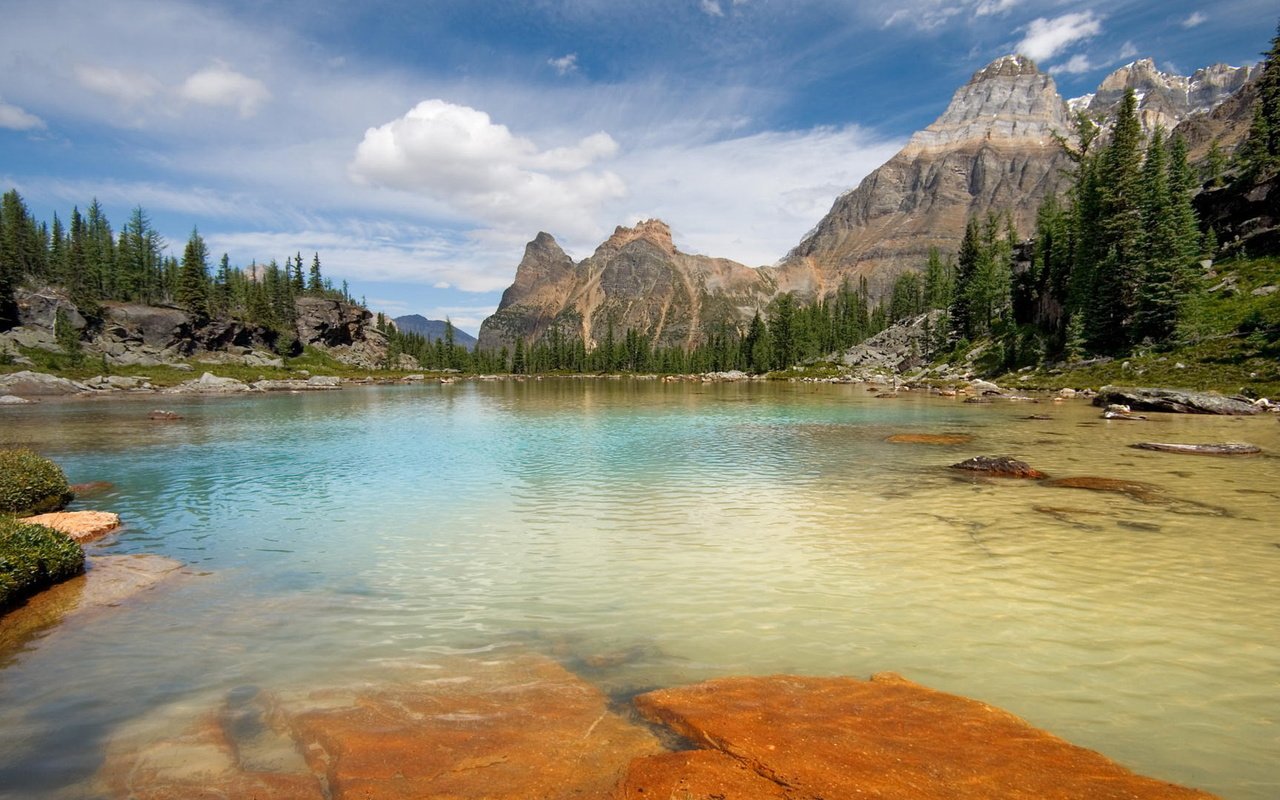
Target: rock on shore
<point>1173,400</point>
<point>82,526</point>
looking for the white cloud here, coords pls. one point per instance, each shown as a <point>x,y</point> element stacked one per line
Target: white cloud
<point>564,64</point>
<point>127,86</point>
<point>1073,66</point>
<point>1045,38</point>
<point>1196,18</point>
<point>989,7</point>
<point>711,8</point>
<point>1127,51</point>
<point>220,85</point>
<point>15,118</point>
<point>458,155</point>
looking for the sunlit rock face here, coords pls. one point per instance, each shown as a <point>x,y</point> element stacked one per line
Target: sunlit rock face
<point>635,280</point>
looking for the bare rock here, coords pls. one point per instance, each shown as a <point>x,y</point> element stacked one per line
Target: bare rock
<point>697,775</point>
<point>1001,466</point>
<point>885,738</point>
<point>82,526</point>
<point>930,438</point>
<point>1219,449</point>
<point>161,415</point>
<point>1174,400</point>
<point>38,384</point>
<point>208,383</point>
<point>14,400</point>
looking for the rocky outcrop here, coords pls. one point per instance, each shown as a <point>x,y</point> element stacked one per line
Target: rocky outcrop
<point>343,329</point>
<point>1165,100</point>
<point>1174,400</point>
<point>635,280</point>
<point>38,384</point>
<point>992,149</point>
<point>82,526</point>
<point>901,347</point>
<point>208,383</point>
<point>1246,217</point>
<point>1000,466</point>
<point>886,738</point>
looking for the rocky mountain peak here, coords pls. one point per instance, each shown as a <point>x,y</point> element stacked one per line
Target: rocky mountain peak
<point>1164,99</point>
<point>1009,99</point>
<point>1010,66</point>
<point>544,246</point>
<point>654,231</point>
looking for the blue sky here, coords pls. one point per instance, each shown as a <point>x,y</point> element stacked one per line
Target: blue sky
<point>418,145</point>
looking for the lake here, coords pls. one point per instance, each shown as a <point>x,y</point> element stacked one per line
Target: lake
<point>698,530</point>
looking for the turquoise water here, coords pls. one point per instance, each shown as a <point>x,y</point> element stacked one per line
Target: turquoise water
<point>684,531</point>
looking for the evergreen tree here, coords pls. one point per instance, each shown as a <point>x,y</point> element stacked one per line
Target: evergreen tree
<point>192,292</point>
<point>782,330</point>
<point>67,337</point>
<point>315,284</point>
<point>1115,288</point>
<point>1260,152</point>
<point>966,267</point>
<point>1215,166</point>
<point>939,280</point>
<point>518,363</point>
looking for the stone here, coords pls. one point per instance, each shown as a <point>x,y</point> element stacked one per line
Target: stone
<point>930,438</point>
<point>1264,291</point>
<point>1123,412</point>
<point>91,489</point>
<point>1138,490</point>
<point>37,384</point>
<point>14,400</point>
<point>344,329</point>
<point>984,387</point>
<point>1219,449</point>
<point>1067,394</point>
<point>977,400</point>
<point>516,727</point>
<point>161,415</point>
<point>1001,466</point>
<point>38,308</point>
<point>82,526</point>
<point>108,582</point>
<point>885,738</point>
<point>1174,400</point>
<point>895,349</point>
<point>208,383</point>
<point>324,382</point>
<point>696,775</point>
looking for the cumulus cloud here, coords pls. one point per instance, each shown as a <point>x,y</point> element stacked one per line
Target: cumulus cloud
<point>1074,66</point>
<point>711,8</point>
<point>220,85</point>
<point>458,155</point>
<point>1197,18</point>
<point>564,64</point>
<point>124,85</point>
<point>17,119</point>
<point>1045,38</point>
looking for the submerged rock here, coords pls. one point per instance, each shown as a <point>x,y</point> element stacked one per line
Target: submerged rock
<point>930,438</point>
<point>1003,466</point>
<point>91,489</point>
<point>161,415</point>
<point>82,526</point>
<point>1219,449</point>
<point>697,775</point>
<point>885,738</point>
<point>1138,490</point>
<point>1174,400</point>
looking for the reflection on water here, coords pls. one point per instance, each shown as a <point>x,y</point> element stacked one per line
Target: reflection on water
<point>650,534</point>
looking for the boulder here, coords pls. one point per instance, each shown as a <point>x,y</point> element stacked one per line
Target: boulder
<point>1122,412</point>
<point>1174,400</point>
<point>14,400</point>
<point>208,383</point>
<point>38,384</point>
<point>1219,449</point>
<point>984,387</point>
<point>1001,466</point>
<point>91,489</point>
<point>118,383</point>
<point>886,738</point>
<point>343,329</point>
<point>82,526</point>
<point>324,382</point>
<point>38,308</point>
<point>161,415</point>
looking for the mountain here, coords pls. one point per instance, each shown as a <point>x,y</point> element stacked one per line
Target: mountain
<point>432,329</point>
<point>636,279</point>
<point>992,149</point>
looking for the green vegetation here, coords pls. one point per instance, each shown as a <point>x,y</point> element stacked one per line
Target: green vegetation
<point>33,557</point>
<point>31,484</point>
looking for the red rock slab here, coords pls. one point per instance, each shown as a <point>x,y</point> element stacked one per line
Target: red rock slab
<point>197,763</point>
<point>890,739</point>
<point>91,489</point>
<point>83,526</point>
<point>930,438</point>
<point>517,727</point>
<point>696,775</point>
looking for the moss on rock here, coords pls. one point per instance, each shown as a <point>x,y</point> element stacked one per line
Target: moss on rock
<point>33,557</point>
<point>31,484</point>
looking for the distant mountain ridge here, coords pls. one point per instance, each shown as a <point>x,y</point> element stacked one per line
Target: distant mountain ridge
<point>432,329</point>
<point>992,149</point>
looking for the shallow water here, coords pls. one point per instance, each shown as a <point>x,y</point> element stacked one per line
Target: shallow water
<point>685,532</point>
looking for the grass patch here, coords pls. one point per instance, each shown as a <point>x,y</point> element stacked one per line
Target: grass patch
<point>33,557</point>
<point>31,484</point>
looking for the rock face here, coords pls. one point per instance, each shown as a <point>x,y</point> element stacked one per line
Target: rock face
<point>992,149</point>
<point>886,738</point>
<point>1174,400</point>
<point>900,347</point>
<point>343,329</point>
<point>637,279</point>
<point>1164,99</point>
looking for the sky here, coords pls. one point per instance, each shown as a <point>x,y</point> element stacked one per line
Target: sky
<point>417,146</point>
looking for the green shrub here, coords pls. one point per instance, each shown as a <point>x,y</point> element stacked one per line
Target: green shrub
<point>31,484</point>
<point>33,557</point>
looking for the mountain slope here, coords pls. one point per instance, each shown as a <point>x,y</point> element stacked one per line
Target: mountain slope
<point>432,329</point>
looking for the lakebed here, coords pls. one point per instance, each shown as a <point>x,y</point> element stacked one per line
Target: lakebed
<point>645,535</point>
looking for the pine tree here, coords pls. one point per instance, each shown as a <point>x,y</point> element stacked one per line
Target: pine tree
<point>1215,165</point>
<point>192,291</point>
<point>938,280</point>
<point>961,312</point>
<point>1115,289</point>
<point>315,284</point>
<point>782,330</point>
<point>1162,256</point>
<point>1260,152</point>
